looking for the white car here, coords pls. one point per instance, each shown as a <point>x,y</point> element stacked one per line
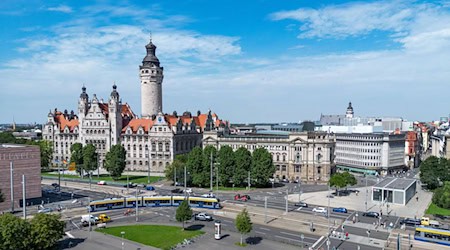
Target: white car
<point>208,196</point>
<point>189,191</point>
<point>320,210</point>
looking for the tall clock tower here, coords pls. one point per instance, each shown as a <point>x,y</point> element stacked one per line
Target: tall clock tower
<point>151,75</point>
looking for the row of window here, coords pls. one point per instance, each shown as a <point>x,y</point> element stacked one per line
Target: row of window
<point>358,149</point>
<point>297,168</point>
<point>154,163</point>
<point>359,156</point>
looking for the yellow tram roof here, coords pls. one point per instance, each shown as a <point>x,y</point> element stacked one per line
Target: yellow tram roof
<point>433,230</point>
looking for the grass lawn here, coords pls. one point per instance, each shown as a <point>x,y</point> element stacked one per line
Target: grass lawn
<point>159,236</point>
<point>107,178</point>
<point>433,209</point>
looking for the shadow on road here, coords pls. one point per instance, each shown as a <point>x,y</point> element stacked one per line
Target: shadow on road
<point>70,243</point>
<point>254,240</point>
<point>195,227</point>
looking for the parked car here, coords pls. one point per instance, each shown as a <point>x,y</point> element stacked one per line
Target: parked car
<point>55,185</point>
<point>150,188</point>
<point>320,210</point>
<point>104,218</point>
<point>371,214</point>
<point>239,197</point>
<point>45,210</point>
<point>340,210</point>
<point>141,185</point>
<point>410,222</point>
<point>130,185</point>
<point>101,183</point>
<point>189,191</point>
<point>203,217</point>
<point>176,191</point>
<point>301,204</point>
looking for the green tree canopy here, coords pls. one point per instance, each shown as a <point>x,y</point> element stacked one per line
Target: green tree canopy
<point>183,213</point>
<point>195,167</point>
<point>243,162</point>
<point>46,231</point>
<point>89,158</point>
<point>76,156</point>
<point>208,151</point>
<point>178,166</point>
<point>434,172</point>
<point>341,180</point>
<point>262,168</point>
<point>7,137</point>
<point>441,196</point>
<point>115,161</point>
<point>243,223</point>
<point>46,148</point>
<point>225,159</point>
<point>14,233</point>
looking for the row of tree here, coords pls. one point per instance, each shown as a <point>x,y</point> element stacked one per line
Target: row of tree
<point>41,232</point>
<point>85,159</point>
<point>243,222</point>
<point>230,167</point>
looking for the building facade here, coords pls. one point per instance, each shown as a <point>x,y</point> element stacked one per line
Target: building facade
<point>371,153</point>
<point>306,156</point>
<point>25,160</point>
<point>151,141</point>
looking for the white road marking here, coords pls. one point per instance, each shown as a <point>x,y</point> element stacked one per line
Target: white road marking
<point>229,221</point>
<point>70,235</point>
<point>259,232</point>
<point>263,228</point>
<point>298,235</point>
<point>286,238</point>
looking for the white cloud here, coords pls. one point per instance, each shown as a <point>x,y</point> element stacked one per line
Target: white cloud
<point>340,21</point>
<point>61,8</point>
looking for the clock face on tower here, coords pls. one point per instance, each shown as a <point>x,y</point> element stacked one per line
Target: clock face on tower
<point>159,119</point>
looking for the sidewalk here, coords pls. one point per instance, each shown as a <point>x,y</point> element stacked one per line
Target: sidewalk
<point>412,209</point>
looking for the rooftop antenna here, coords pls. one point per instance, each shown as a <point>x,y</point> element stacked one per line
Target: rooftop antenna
<point>150,36</point>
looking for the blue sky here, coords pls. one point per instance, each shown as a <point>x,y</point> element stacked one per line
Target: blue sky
<point>248,61</point>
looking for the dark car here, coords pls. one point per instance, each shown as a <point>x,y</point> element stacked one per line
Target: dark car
<point>150,188</point>
<point>55,185</point>
<point>371,214</point>
<point>340,210</point>
<point>301,204</point>
<point>176,191</point>
<point>410,222</point>
<point>130,185</point>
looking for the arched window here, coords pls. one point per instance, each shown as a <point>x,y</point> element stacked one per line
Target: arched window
<point>134,162</point>
<point>140,163</point>
<point>134,147</point>
<point>160,146</point>
<point>153,146</point>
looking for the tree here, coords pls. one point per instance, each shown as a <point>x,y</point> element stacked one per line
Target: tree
<point>341,180</point>
<point>115,161</point>
<point>76,157</point>
<point>350,179</point>
<point>243,223</point>
<point>441,196</point>
<point>208,151</point>
<point>46,148</point>
<point>262,168</point>
<point>177,166</point>
<point>7,137</point>
<point>243,162</point>
<point>14,233</point>
<point>46,231</point>
<point>225,159</point>
<point>195,167</point>
<point>184,212</point>
<point>89,158</point>
<point>434,172</point>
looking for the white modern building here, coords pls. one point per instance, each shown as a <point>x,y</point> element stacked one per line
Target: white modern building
<point>394,191</point>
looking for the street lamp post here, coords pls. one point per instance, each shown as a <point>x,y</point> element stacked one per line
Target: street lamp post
<point>287,196</point>
<point>123,244</point>
<point>265,209</point>
<point>211,173</point>
<point>185,182</point>
<point>217,176</point>
<point>137,205</point>
<point>148,181</point>
<point>302,237</point>
<point>367,192</point>
<point>368,236</point>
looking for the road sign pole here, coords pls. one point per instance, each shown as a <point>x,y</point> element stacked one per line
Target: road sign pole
<point>287,196</point>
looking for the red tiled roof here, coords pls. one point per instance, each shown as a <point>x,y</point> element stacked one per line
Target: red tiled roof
<point>63,122</point>
<point>134,124</point>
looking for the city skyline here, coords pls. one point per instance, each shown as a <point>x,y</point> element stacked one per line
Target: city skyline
<point>266,62</point>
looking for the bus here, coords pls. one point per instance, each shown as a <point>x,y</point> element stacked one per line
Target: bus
<point>434,235</point>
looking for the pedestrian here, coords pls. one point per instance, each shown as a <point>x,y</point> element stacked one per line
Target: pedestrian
<point>417,198</point>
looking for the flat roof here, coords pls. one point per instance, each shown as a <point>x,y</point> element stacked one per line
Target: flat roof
<point>395,183</point>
